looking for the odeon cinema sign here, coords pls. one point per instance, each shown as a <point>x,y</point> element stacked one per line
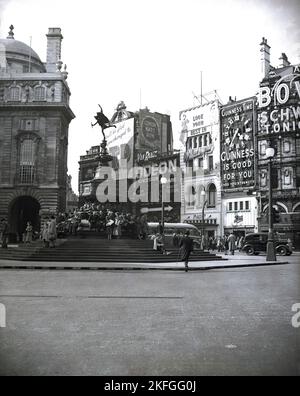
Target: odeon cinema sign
<point>279,105</point>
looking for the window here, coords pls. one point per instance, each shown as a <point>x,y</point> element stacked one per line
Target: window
<point>200,141</point>
<point>190,165</point>
<point>39,94</point>
<point>27,161</point>
<point>241,205</point>
<point>211,163</point>
<point>286,146</point>
<point>230,206</point>
<point>205,140</point>
<point>210,139</point>
<point>298,176</point>
<point>274,178</point>
<point>212,196</point>
<point>15,94</point>
<point>263,148</point>
<point>247,205</point>
<point>195,142</point>
<point>200,163</point>
<point>263,178</point>
<point>191,196</point>
<point>236,206</point>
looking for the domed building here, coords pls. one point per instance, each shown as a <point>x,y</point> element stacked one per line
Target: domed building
<point>34,125</point>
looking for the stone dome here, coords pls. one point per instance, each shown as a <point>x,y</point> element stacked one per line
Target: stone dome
<point>15,48</point>
<point>17,52</point>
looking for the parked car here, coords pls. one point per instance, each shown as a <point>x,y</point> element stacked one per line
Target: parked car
<point>257,243</point>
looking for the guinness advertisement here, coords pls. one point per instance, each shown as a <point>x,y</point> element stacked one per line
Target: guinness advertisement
<point>238,145</point>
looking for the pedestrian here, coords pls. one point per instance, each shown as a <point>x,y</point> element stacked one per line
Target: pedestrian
<point>160,228</point>
<point>45,233</point>
<point>241,243</point>
<point>187,246</point>
<point>232,243</point>
<point>159,244</point>
<point>28,233</point>
<point>226,245</point>
<point>176,239</point>
<point>4,233</point>
<point>52,232</point>
<point>117,232</point>
<point>144,227</point>
<point>110,225</point>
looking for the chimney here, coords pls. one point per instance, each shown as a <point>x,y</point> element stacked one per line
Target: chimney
<point>54,39</point>
<point>265,58</point>
<point>284,62</point>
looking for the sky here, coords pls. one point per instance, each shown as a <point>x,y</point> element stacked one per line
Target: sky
<point>152,52</point>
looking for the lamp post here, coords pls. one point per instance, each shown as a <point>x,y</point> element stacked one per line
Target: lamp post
<point>271,253</point>
<point>163,182</point>
<point>203,194</point>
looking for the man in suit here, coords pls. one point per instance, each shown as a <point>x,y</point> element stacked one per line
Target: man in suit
<point>187,246</point>
<point>232,242</point>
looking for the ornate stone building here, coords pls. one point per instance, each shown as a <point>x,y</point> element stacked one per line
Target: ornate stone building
<point>200,161</point>
<point>279,127</point>
<point>34,123</point>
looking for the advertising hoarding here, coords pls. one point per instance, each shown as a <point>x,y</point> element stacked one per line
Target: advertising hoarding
<point>148,144</point>
<point>120,142</point>
<point>196,121</point>
<point>279,105</point>
<point>238,125</point>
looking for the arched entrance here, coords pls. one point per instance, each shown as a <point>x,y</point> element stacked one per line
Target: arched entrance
<point>22,210</point>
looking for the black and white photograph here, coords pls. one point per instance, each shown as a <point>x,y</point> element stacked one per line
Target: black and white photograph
<point>150,191</point>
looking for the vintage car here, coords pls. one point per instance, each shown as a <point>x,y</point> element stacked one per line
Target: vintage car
<point>257,243</point>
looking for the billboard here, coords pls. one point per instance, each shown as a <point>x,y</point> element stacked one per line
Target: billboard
<point>148,144</point>
<point>279,105</point>
<point>120,142</point>
<point>196,120</point>
<point>238,145</point>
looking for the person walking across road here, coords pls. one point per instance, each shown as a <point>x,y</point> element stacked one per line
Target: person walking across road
<point>187,246</point>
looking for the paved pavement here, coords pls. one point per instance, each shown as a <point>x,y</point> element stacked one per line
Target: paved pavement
<point>237,261</point>
<point>219,322</point>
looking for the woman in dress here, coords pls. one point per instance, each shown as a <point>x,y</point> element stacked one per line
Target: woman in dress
<point>118,224</point>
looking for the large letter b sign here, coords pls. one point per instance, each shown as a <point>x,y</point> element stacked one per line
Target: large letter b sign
<point>2,316</point>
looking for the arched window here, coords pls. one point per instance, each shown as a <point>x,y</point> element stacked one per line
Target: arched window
<point>27,161</point>
<point>212,196</point>
<point>39,94</point>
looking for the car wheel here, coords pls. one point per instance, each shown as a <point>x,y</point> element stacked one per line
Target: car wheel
<point>250,251</point>
<point>282,251</point>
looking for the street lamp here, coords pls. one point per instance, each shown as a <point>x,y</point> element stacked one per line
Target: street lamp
<point>163,182</point>
<point>271,253</point>
<point>203,194</point>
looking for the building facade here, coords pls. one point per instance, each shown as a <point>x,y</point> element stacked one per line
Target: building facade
<point>279,128</point>
<point>34,124</point>
<point>201,203</point>
<point>238,166</point>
